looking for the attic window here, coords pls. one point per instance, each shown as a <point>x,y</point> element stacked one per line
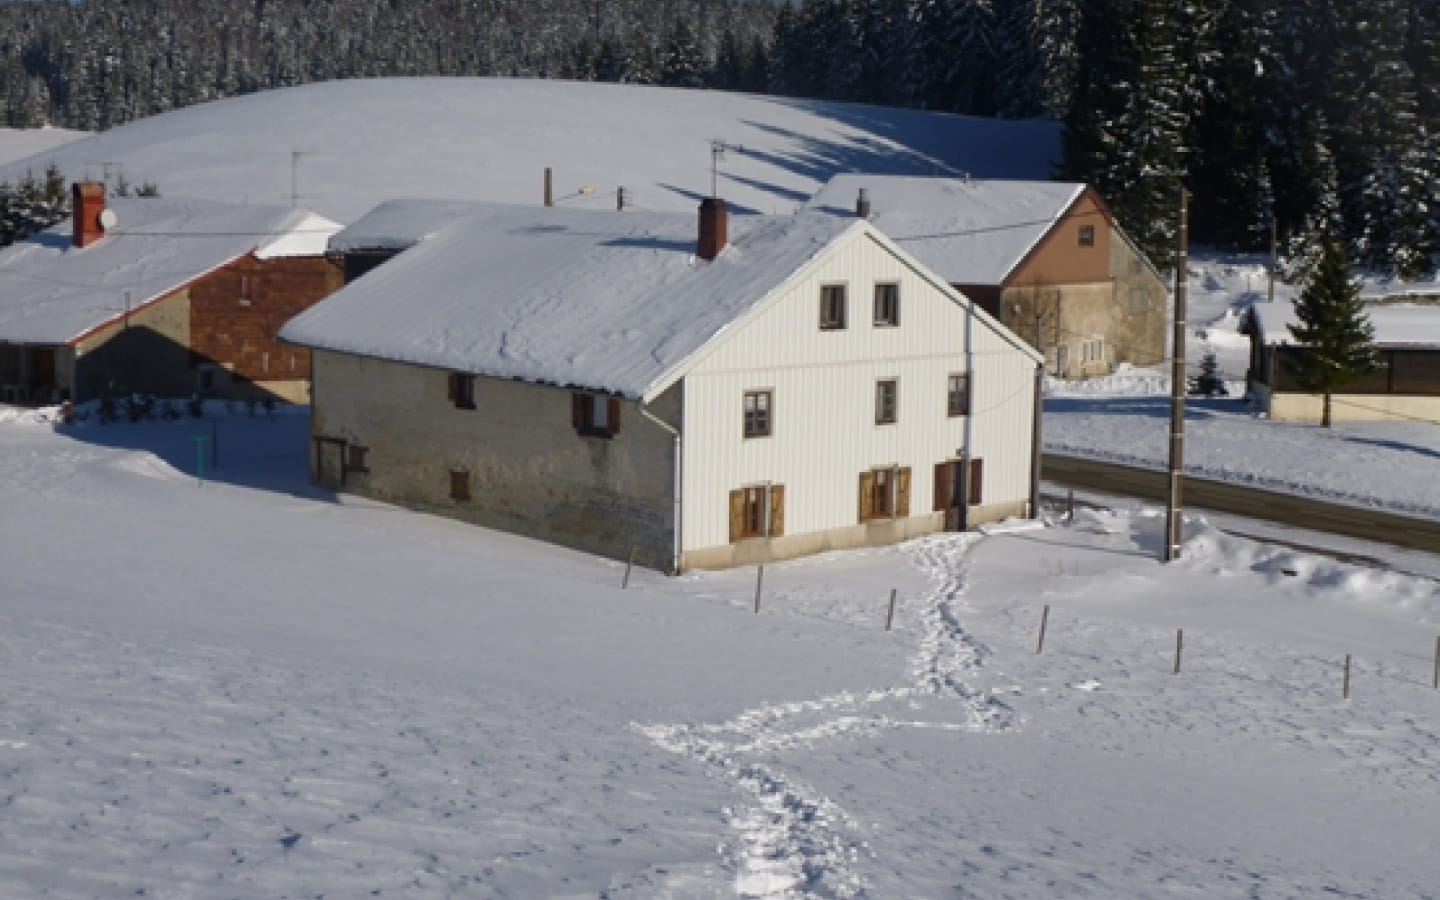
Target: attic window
<point>832,307</point>
<point>1087,235</point>
<point>462,390</point>
<point>595,415</point>
<point>887,305</point>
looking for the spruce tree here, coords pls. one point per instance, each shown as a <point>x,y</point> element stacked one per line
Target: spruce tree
<point>1337,341</point>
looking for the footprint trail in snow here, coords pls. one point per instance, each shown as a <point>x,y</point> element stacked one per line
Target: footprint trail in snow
<point>790,841</point>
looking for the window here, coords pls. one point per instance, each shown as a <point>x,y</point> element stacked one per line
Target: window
<point>356,458</point>
<point>885,493</point>
<point>957,395</point>
<point>1092,350</point>
<point>757,511</point>
<point>832,307</point>
<point>1087,235</point>
<point>459,485</point>
<point>887,305</point>
<point>757,414</point>
<point>887,401</point>
<point>462,390</point>
<point>595,415</point>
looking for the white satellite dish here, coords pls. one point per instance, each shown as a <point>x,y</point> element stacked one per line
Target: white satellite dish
<point>108,219</point>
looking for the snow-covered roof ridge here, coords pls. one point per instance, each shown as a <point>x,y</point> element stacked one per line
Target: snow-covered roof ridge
<point>52,292</point>
<point>968,230</point>
<point>610,301</point>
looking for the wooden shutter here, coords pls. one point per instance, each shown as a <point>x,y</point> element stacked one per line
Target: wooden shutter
<point>902,493</point>
<point>867,496</point>
<point>577,411</point>
<point>737,515</point>
<point>777,510</point>
<point>452,387</point>
<point>944,486</point>
<point>614,414</point>
<point>459,484</point>
<point>977,478</point>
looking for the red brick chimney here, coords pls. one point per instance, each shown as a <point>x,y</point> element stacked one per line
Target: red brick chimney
<point>714,228</point>
<point>87,201</point>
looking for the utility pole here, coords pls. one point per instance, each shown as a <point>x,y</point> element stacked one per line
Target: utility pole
<point>1173,519</point>
<point>1270,285</point>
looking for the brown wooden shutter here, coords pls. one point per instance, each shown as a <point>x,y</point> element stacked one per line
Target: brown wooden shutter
<point>452,387</point>
<point>777,510</point>
<point>977,478</point>
<point>867,496</point>
<point>614,414</point>
<point>902,494</point>
<point>737,515</point>
<point>577,411</point>
<point>944,485</point>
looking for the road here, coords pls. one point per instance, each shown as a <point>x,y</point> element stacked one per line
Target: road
<point>1257,503</point>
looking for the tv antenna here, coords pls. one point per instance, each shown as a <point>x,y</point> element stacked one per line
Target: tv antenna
<point>717,153</point>
<point>295,175</point>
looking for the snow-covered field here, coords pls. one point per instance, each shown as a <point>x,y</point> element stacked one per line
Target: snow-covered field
<point>232,685</point>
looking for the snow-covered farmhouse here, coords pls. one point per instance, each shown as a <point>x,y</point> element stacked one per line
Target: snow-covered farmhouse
<point>754,389</point>
<point>1046,258</point>
<point>160,296</point>
<point>1405,387</point>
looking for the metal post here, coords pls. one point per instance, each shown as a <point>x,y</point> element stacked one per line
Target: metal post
<point>759,578</point>
<point>1174,524</point>
<point>1044,619</point>
<point>549,188</point>
<point>890,618</point>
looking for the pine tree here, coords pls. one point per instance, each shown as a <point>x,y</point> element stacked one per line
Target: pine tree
<point>1337,341</point>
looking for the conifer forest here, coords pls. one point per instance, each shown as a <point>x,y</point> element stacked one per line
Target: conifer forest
<point>1305,116</point>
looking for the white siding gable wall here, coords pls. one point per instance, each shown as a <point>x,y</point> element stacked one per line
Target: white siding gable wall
<point>823,382</point>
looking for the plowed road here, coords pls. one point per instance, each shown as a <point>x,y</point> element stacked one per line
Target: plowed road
<point>1256,503</point>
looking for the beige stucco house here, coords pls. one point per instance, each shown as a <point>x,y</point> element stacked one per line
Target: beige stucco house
<point>746,390</point>
<point>1045,258</point>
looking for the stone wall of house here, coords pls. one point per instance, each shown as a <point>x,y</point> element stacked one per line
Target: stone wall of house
<point>527,468</point>
<point>1140,334</point>
<point>144,352</point>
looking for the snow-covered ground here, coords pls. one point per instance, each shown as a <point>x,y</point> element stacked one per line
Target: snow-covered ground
<point>228,684</point>
<point>1125,417</point>
<point>20,143</point>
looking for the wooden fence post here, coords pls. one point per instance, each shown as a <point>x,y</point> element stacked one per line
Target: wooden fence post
<point>759,577</point>
<point>1044,618</point>
<point>1346,689</point>
<point>1070,506</point>
<point>890,617</point>
<point>1179,646</point>
<point>625,583</point>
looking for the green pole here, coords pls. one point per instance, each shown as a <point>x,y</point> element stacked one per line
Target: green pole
<point>200,459</point>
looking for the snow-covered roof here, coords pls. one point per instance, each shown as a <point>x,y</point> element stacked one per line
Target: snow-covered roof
<point>611,301</point>
<point>52,292</point>
<point>400,224</point>
<point>969,231</point>
<point>1395,324</point>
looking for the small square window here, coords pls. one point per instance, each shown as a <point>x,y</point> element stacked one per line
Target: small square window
<point>832,307</point>
<point>459,485</point>
<point>595,415</point>
<point>887,401</point>
<point>462,391</point>
<point>356,461</point>
<point>958,395</point>
<point>887,305</point>
<point>1087,235</point>
<point>757,413</point>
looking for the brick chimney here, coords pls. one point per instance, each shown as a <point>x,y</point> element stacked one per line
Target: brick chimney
<point>862,204</point>
<point>714,228</point>
<point>87,201</point>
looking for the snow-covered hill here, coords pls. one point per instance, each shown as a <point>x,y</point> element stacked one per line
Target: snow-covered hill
<point>344,146</point>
